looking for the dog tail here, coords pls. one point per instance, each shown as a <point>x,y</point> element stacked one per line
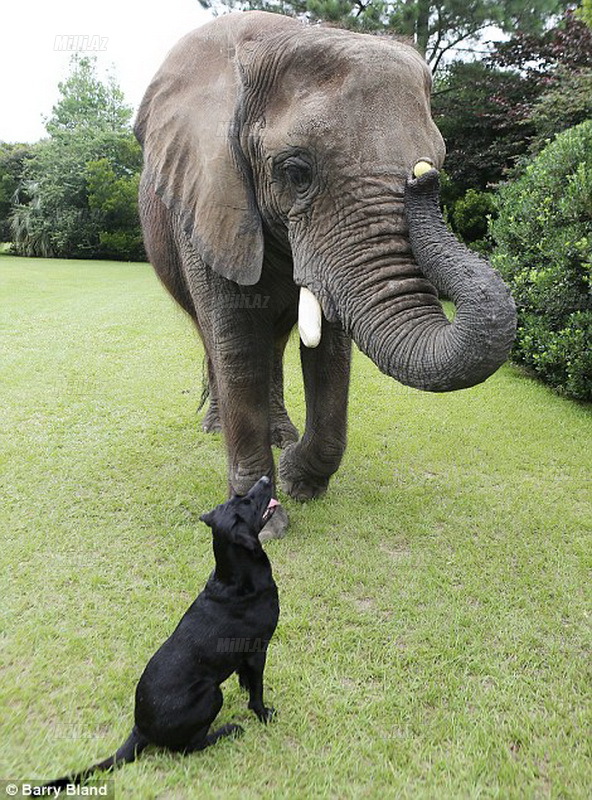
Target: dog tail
<point>129,751</point>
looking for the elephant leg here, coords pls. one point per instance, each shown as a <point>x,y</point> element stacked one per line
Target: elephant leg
<point>240,351</point>
<point>211,422</point>
<point>162,246</point>
<point>242,366</point>
<point>283,431</point>
<point>305,467</point>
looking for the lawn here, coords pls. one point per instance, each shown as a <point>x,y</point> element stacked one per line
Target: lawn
<point>434,638</point>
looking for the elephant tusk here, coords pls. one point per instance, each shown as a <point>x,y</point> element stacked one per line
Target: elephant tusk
<point>309,318</point>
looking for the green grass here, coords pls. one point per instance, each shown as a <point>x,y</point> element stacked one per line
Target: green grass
<point>434,638</point>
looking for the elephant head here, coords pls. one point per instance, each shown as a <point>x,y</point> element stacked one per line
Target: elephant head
<point>265,135</point>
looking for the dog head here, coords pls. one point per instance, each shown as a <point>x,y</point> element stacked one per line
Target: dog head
<point>241,518</point>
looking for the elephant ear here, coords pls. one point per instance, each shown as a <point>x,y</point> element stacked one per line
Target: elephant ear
<point>188,127</point>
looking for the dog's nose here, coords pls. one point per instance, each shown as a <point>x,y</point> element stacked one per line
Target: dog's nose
<point>265,480</point>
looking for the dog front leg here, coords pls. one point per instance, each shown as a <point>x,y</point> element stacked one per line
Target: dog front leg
<point>250,675</point>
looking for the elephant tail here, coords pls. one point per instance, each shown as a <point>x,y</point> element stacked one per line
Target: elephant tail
<point>129,750</point>
<point>205,385</point>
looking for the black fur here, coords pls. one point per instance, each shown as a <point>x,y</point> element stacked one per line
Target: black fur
<point>227,629</point>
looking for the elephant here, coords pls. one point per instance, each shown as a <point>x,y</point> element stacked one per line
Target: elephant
<point>291,176</point>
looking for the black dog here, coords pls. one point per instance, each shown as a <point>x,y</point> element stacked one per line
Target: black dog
<point>227,629</point>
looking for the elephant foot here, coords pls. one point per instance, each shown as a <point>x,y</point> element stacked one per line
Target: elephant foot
<point>211,422</point>
<point>296,480</point>
<point>276,527</point>
<point>283,431</point>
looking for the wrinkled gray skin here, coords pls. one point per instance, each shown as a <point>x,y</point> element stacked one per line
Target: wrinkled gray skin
<point>279,156</point>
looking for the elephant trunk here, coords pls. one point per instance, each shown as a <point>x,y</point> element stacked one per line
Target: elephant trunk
<point>470,349</point>
<point>393,313</point>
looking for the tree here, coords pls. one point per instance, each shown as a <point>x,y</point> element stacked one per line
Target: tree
<point>54,215</point>
<point>483,112</point>
<point>114,197</point>
<point>495,113</point>
<point>12,161</point>
<point>566,97</point>
<point>88,103</point>
<point>566,103</point>
<point>435,26</point>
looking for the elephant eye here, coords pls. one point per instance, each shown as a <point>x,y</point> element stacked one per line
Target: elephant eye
<point>298,172</point>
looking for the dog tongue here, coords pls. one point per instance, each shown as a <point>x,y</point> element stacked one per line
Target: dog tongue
<point>272,504</point>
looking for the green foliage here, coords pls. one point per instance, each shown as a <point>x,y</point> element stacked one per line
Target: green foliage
<point>496,113</point>
<point>470,215</point>
<point>479,110</point>
<point>114,199</point>
<point>78,191</point>
<point>566,84</point>
<point>562,358</point>
<point>567,103</point>
<point>12,160</point>
<point>544,250</point>
<point>87,102</point>
<point>585,12</point>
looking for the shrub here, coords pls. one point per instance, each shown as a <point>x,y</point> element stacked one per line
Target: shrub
<point>543,238</point>
<point>469,217</point>
<point>122,245</point>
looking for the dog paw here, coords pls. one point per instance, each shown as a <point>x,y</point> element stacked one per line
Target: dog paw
<point>266,715</point>
<point>200,742</point>
<point>233,730</point>
<point>276,527</point>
